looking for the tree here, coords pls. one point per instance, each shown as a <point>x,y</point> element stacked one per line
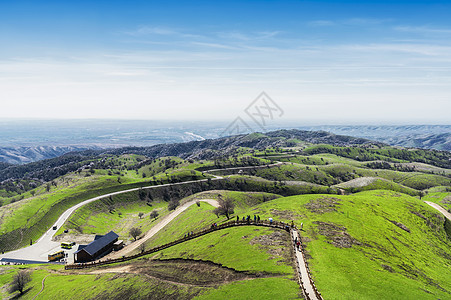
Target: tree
<point>140,215</point>
<point>173,204</point>
<point>19,281</point>
<point>225,208</point>
<point>33,192</point>
<point>154,214</point>
<point>142,194</point>
<point>142,247</point>
<point>135,232</point>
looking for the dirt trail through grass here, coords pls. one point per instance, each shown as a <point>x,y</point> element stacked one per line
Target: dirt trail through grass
<point>154,230</point>
<point>42,288</point>
<point>440,209</point>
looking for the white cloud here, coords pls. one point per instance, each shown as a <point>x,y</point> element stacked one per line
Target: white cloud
<point>248,36</point>
<point>215,45</point>
<point>350,22</point>
<point>144,31</point>
<point>365,21</point>
<point>423,30</point>
<point>213,78</point>
<point>420,49</point>
<point>321,23</point>
<point>147,30</point>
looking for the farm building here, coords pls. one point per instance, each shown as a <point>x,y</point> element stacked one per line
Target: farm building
<point>100,246</point>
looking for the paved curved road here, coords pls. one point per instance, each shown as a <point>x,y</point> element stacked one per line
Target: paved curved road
<point>44,245</point>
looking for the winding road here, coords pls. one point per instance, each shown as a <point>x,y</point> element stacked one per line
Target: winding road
<point>45,245</point>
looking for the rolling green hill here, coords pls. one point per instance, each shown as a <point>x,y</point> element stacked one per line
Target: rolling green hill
<point>365,228</point>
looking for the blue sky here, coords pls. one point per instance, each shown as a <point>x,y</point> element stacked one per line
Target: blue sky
<point>323,62</point>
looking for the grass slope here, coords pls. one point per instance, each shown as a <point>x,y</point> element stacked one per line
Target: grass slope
<point>356,244</point>
<point>63,285</point>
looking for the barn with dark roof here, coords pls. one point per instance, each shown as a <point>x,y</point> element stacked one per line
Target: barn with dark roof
<point>97,248</point>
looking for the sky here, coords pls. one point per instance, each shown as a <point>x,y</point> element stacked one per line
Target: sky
<point>321,62</point>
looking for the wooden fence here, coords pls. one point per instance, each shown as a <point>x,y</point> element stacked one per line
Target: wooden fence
<point>263,223</point>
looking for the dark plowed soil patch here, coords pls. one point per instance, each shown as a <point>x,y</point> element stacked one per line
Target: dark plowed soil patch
<point>446,200</point>
<point>336,235</point>
<point>286,214</point>
<point>192,272</point>
<point>400,225</point>
<point>277,244</point>
<point>323,205</point>
<point>419,215</point>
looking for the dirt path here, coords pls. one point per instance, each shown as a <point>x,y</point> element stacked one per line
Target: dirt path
<point>154,230</point>
<point>244,168</point>
<point>440,209</point>
<point>303,269</point>
<point>42,288</point>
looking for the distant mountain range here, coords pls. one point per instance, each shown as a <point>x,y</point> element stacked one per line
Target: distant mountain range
<point>206,149</point>
<point>20,155</point>
<point>24,142</point>
<point>417,136</point>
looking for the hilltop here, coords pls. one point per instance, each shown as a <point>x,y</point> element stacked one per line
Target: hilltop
<point>49,169</point>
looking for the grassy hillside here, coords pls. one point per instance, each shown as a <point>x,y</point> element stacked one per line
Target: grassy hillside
<point>364,240</point>
<point>339,172</point>
<point>62,285</point>
<point>376,236</point>
<point>442,198</point>
<point>374,183</point>
<point>377,242</point>
<point>358,243</point>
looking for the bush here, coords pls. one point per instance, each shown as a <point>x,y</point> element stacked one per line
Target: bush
<point>173,204</point>
<point>154,214</point>
<point>135,232</point>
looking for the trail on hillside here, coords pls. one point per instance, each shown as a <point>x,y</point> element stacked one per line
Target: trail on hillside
<point>154,230</point>
<point>303,273</point>
<point>45,244</point>
<point>302,270</point>
<point>42,287</point>
<point>440,209</point>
